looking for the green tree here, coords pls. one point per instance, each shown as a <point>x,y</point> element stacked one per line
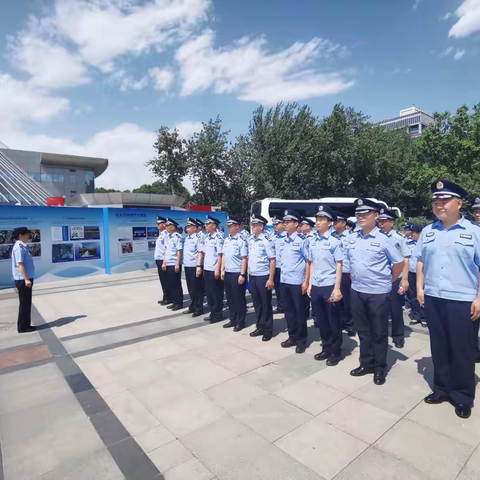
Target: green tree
<point>106,190</point>
<point>163,188</point>
<point>170,164</point>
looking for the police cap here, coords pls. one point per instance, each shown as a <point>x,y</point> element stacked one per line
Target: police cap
<point>231,220</point>
<point>364,205</point>
<point>386,214</point>
<point>307,221</point>
<point>192,222</point>
<point>161,219</point>
<point>277,219</point>
<point>199,222</point>
<point>171,221</point>
<point>211,219</point>
<point>351,224</point>
<point>341,217</point>
<point>446,189</point>
<point>326,211</point>
<point>415,227</point>
<point>289,214</point>
<point>476,204</point>
<point>256,218</point>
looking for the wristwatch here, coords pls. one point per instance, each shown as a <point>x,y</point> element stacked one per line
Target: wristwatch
<point>244,275</point>
<point>199,266</point>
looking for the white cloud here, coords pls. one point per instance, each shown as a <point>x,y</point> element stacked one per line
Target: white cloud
<point>187,129</point>
<point>162,78</point>
<point>447,16</point>
<point>401,71</point>
<point>50,65</point>
<point>249,71</point>
<point>416,4</point>
<point>469,19</point>
<point>21,101</point>
<point>127,82</point>
<point>459,54</point>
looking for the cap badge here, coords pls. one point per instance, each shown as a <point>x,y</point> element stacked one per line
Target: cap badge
<point>439,185</point>
<point>360,202</point>
<point>286,212</point>
<point>320,207</point>
<point>382,210</point>
<point>228,217</point>
<point>477,200</point>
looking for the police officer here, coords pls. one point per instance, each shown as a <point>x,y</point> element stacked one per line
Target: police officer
<point>244,233</point>
<point>211,257</point>
<point>325,255</point>
<point>192,246</point>
<point>386,219</point>
<point>307,228</point>
<point>351,225</point>
<point>447,285</point>
<point>234,273</point>
<point>294,282</point>
<point>277,237</point>
<point>407,231</point>
<point>172,264</point>
<point>417,313</point>
<point>159,256</point>
<point>371,254</point>
<point>261,267</point>
<point>201,235</point>
<point>476,216</point>
<point>23,271</point>
<point>342,233</point>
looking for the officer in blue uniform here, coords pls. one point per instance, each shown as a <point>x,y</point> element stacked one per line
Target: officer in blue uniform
<point>261,267</point>
<point>386,220</point>
<point>172,264</point>
<point>211,257</point>
<point>342,233</point>
<point>417,313</point>
<point>159,256</point>
<point>192,246</point>
<point>244,233</point>
<point>23,271</point>
<point>201,235</point>
<point>351,225</point>
<point>407,231</point>
<point>447,285</point>
<point>476,216</point>
<point>234,273</point>
<point>325,256</point>
<point>277,238</point>
<point>372,254</point>
<point>307,228</point>
<point>294,282</point>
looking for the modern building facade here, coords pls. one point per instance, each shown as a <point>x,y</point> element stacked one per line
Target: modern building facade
<point>62,175</point>
<point>413,119</point>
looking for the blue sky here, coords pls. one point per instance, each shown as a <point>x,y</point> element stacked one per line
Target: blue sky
<point>98,77</point>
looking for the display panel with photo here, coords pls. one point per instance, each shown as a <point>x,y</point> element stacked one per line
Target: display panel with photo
<point>76,232</point>
<point>126,248</point>
<point>152,233</point>
<point>6,237</point>
<point>35,236</point>
<point>139,232</point>
<point>91,233</point>
<point>62,252</point>
<point>5,252</point>
<point>35,249</point>
<point>151,246</point>
<point>87,251</point>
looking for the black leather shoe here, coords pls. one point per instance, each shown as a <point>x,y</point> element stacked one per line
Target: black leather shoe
<point>477,359</point>
<point>379,378</point>
<point>399,343</point>
<point>197,314</point>
<point>288,343</point>
<point>321,356</point>
<point>361,371</point>
<point>414,322</point>
<point>463,411</point>
<point>187,312</point>
<point>333,360</point>
<point>351,333</point>
<point>176,307</point>
<point>266,337</point>
<point>170,306</point>
<point>238,328</point>
<point>278,310</point>
<point>28,330</point>
<point>229,325</point>
<point>434,399</point>
<point>207,319</point>
<point>424,324</point>
<point>300,349</point>
<point>256,333</point>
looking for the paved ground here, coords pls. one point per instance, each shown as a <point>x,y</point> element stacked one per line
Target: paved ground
<point>114,386</point>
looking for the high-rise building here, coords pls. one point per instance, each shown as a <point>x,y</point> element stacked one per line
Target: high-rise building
<point>414,119</point>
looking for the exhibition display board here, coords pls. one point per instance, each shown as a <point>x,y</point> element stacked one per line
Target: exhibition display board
<point>69,242</point>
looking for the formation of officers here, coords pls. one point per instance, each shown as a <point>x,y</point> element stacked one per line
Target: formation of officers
<point>354,277</point>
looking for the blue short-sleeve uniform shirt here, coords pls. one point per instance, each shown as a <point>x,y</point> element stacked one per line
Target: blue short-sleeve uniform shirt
<point>260,250</point>
<point>451,259</point>
<point>400,242</point>
<point>344,237</point>
<point>371,259</point>
<point>294,259</point>
<point>173,243</point>
<point>277,240</point>
<point>234,250</point>
<point>160,246</point>
<point>191,248</point>
<point>324,252</point>
<point>21,254</point>
<point>212,247</point>
<point>411,245</point>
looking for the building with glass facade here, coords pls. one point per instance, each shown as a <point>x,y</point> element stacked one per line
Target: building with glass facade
<point>413,119</point>
<point>56,174</point>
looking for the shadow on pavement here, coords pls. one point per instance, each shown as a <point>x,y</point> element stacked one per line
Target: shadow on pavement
<point>59,322</point>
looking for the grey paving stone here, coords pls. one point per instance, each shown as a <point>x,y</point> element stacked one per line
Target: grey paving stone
<point>154,438</point>
<point>322,447</point>
<point>169,456</point>
<point>67,365</point>
<point>109,427</point>
<point>98,374</point>
<point>272,417</point>
<point>242,362</point>
<point>29,377</point>
<point>472,468</point>
<point>360,419</point>
<point>374,464</point>
<point>91,402</point>
<point>302,364</point>
<point>220,445</point>
<point>96,466</point>
<point>190,470</point>
<point>272,377</point>
<point>79,383</point>
<point>235,394</point>
<point>310,395</point>
<point>133,463</point>
<point>424,449</point>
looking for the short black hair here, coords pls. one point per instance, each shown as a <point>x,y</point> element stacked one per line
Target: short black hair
<point>20,231</point>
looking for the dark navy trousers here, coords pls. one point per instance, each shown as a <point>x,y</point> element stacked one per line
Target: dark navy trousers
<point>174,283</point>
<point>417,312</point>
<point>370,315</point>
<point>262,302</point>
<point>163,279</point>
<point>396,311</point>
<point>278,289</point>
<point>195,289</point>
<point>237,304</point>
<point>214,287</point>
<point>327,319</point>
<point>296,306</point>
<point>344,303</point>
<point>452,340</point>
